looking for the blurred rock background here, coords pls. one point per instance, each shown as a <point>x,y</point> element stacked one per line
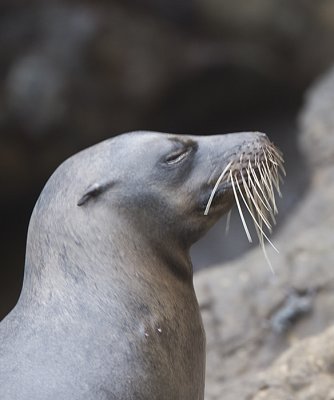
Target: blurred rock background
<point>74,73</point>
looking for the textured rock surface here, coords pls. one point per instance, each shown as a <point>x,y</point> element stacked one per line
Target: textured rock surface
<point>251,318</point>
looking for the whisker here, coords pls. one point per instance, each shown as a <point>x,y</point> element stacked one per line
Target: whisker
<point>272,194</point>
<point>257,223</point>
<point>221,176</point>
<point>276,152</point>
<point>279,158</point>
<point>258,184</point>
<point>252,184</point>
<point>240,210</point>
<point>282,169</point>
<point>267,186</point>
<point>275,175</point>
<point>228,221</point>
<point>263,248</point>
<point>255,183</point>
<point>264,251</point>
<point>258,209</point>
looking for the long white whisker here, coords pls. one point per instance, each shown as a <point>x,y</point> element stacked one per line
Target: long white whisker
<point>258,184</point>
<point>275,179</point>
<point>266,171</point>
<point>259,211</point>
<point>264,251</point>
<point>221,176</point>
<point>228,221</point>
<point>252,184</point>
<point>254,219</point>
<point>264,181</point>
<point>263,247</point>
<point>240,210</point>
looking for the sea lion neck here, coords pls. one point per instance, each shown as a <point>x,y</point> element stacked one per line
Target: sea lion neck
<point>64,257</point>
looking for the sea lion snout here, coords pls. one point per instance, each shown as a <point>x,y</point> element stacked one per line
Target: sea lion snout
<point>252,171</point>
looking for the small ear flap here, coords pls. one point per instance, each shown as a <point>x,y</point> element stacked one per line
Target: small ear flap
<point>93,191</point>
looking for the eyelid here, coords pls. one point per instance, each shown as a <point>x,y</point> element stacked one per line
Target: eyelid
<point>178,155</point>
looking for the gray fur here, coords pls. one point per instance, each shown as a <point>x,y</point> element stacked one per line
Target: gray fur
<point>107,309</point>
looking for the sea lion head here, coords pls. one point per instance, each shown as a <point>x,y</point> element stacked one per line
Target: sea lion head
<point>144,184</point>
<point>161,183</point>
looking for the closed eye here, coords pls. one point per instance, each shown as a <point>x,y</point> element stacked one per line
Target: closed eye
<point>178,155</point>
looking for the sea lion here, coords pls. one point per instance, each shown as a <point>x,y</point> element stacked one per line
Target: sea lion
<point>108,309</point>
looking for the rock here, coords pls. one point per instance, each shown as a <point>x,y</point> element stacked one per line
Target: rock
<point>317,121</point>
<point>252,317</point>
<point>304,372</point>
